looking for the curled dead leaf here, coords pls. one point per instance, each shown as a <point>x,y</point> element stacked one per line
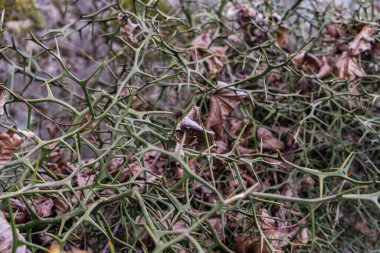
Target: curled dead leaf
<point>325,69</point>
<point>20,211</point>
<point>6,237</point>
<point>336,31</point>
<point>362,41</point>
<point>222,102</point>
<point>348,68</point>
<point>60,206</point>
<point>273,231</point>
<point>43,206</point>
<point>282,37</point>
<point>85,176</point>
<point>202,41</point>
<point>216,63</point>
<point>308,183</point>
<point>150,169</point>
<point>212,54</point>
<point>309,62</point>
<point>127,28</point>
<point>10,143</point>
<point>303,236</point>
<point>268,140</point>
<point>193,134</point>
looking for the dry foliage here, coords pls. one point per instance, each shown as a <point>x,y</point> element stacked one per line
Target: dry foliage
<point>186,126</point>
<point>10,143</point>
<point>6,237</point>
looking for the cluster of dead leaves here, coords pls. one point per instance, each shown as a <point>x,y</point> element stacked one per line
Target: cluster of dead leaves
<point>7,237</point>
<point>276,230</point>
<point>216,53</point>
<point>248,19</point>
<point>10,142</point>
<point>153,167</point>
<point>213,55</point>
<point>191,132</point>
<point>127,28</point>
<point>43,207</point>
<point>222,102</point>
<point>344,64</point>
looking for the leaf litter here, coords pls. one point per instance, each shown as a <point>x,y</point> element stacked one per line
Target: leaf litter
<point>270,118</point>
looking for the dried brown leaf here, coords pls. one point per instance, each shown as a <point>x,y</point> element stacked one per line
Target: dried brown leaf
<point>19,210</point>
<point>3,98</point>
<point>325,69</point>
<point>85,176</point>
<point>215,63</point>
<point>192,132</point>
<point>43,206</point>
<point>268,140</point>
<point>336,31</point>
<point>282,37</point>
<point>10,143</point>
<point>154,163</point>
<point>60,206</point>
<point>202,41</point>
<point>127,28</point>
<point>303,236</point>
<point>362,41</point>
<point>360,225</point>
<point>272,230</point>
<point>309,62</point>
<point>213,55</point>
<point>115,163</point>
<point>308,183</point>
<point>306,61</point>
<point>348,68</point>
<point>6,237</point>
<point>222,102</point>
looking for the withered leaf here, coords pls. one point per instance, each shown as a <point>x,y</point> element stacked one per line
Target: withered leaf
<point>85,176</point>
<point>60,206</point>
<point>127,28</point>
<point>192,132</point>
<point>303,236</point>
<point>20,211</point>
<point>362,41</point>
<point>215,63</point>
<point>268,140</point>
<point>115,163</point>
<point>335,30</point>
<point>43,206</point>
<point>154,163</point>
<point>9,143</point>
<point>309,62</point>
<point>325,69</point>
<point>213,55</point>
<point>348,68</point>
<point>202,41</point>
<point>273,231</point>
<point>6,237</point>
<point>282,37</point>
<point>3,98</point>
<point>222,102</point>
